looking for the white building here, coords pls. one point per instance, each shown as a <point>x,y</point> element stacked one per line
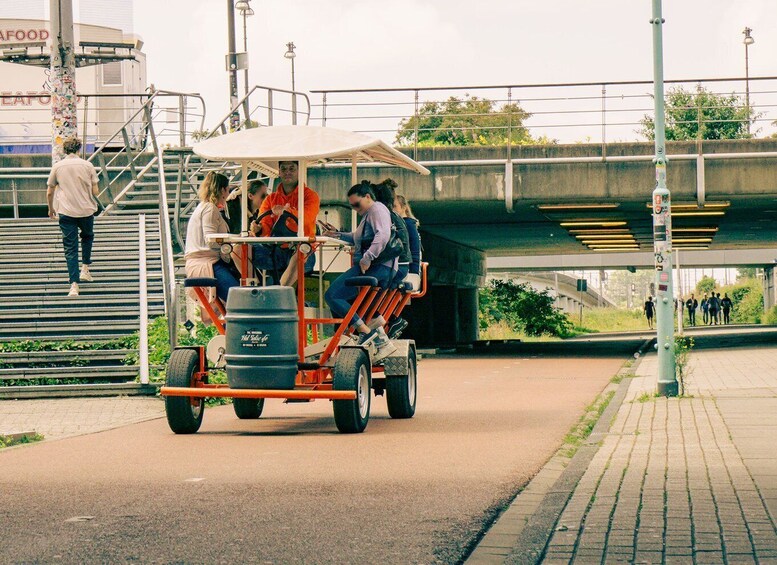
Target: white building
<point>110,92</point>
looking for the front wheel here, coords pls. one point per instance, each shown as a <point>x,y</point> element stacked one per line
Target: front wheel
<point>184,413</point>
<point>352,371</point>
<point>401,391</point>
<point>248,408</point>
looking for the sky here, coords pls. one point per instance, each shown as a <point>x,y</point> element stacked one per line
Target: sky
<point>376,44</point>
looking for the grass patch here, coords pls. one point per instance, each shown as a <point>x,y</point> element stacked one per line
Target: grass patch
<point>502,330</point>
<point>597,320</point>
<point>646,397</point>
<point>6,441</point>
<point>580,432</point>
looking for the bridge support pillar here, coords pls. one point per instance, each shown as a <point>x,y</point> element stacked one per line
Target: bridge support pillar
<point>769,288</point>
<point>448,315</point>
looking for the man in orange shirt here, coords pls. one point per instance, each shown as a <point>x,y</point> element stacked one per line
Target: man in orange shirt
<point>284,200</point>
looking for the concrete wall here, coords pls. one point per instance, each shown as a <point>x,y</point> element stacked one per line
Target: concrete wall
<point>566,182</point>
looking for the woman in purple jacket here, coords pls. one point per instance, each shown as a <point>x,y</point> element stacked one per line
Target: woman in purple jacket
<point>369,240</point>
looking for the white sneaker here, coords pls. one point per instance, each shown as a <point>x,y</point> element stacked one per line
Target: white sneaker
<point>73,290</point>
<point>85,275</point>
<point>384,345</point>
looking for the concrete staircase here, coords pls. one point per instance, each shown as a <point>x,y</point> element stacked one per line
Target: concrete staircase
<point>34,304</point>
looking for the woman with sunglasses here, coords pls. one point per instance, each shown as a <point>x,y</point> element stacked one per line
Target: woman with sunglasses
<point>369,240</point>
<point>205,259</point>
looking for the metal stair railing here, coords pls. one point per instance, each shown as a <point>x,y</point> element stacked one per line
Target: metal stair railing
<point>244,104</point>
<point>191,173</point>
<point>117,166</point>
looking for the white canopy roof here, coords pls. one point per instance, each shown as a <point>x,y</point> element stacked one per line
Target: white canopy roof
<point>262,148</point>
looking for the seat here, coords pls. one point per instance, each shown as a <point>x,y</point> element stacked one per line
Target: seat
<point>412,282</point>
<point>362,281</point>
<point>201,281</point>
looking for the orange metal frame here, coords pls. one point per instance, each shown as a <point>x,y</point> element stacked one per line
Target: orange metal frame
<point>316,382</point>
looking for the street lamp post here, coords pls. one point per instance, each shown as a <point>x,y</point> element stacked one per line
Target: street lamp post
<point>290,54</point>
<point>234,118</point>
<point>662,223</point>
<point>748,41</point>
<point>244,7</point>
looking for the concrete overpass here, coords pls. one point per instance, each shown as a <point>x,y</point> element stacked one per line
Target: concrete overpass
<point>575,206</point>
<point>564,205</point>
<point>563,287</point>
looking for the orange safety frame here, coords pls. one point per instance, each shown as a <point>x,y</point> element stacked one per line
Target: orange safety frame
<point>314,380</point>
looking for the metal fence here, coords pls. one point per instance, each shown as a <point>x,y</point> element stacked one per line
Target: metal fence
<point>592,112</point>
<point>25,120</point>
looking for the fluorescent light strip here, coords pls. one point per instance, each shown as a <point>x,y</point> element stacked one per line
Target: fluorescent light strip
<point>599,231</point>
<point>694,230</point>
<point>608,242</point>
<point>692,240</point>
<point>695,206</point>
<point>605,236</point>
<point>696,247</point>
<point>599,246</point>
<point>603,224</point>
<point>550,207</point>
<point>690,214</point>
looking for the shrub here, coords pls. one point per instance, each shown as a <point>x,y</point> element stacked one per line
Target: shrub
<point>522,308</point>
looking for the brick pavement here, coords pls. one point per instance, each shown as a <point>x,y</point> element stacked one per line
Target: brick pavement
<point>63,417</point>
<point>683,480</point>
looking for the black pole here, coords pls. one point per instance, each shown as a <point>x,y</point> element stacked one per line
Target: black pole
<point>234,120</point>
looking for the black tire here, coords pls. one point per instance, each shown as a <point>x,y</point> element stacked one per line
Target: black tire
<point>184,413</point>
<point>352,371</point>
<point>248,408</point>
<point>402,391</point>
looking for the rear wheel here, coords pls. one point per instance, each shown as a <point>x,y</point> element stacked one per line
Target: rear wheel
<point>352,371</point>
<point>184,413</point>
<point>248,408</point>
<point>401,391</point>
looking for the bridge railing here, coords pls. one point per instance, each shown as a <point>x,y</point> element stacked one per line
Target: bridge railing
<point>590,112</point>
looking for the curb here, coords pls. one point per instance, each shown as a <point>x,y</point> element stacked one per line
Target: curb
<point>521,532</point>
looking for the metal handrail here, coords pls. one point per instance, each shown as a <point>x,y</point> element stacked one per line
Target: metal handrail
<point>244,103</point>
<point>394,112</point>
<point>168,267</point>
<point>143,113</point>
<point>539,85</point>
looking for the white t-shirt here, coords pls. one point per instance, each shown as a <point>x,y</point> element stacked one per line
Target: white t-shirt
<point>206,219</point>
<point>74,177</point>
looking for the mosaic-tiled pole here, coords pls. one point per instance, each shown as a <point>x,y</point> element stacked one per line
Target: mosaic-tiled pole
<point>62,77</point>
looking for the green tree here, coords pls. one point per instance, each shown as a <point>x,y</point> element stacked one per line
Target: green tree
<point>522,308</point>
<point>719,116</point>
<point>471,121</point>
<point>705,285</point>
<point>746,272</point>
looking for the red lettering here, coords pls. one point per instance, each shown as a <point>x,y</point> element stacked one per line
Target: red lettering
<point>20,35</point>
<point>32,35</point>
<point>43,34</point>
<point>2,35</point>
<point>5,100</point>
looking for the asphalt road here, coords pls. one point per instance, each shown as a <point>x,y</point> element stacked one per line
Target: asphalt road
<point>289,489</point>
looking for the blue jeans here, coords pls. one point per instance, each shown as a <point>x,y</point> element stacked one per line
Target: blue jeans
<point>224,279</point>
<point>340,297</point>
<point>70,227</point>
<point>263,260</point>
<point>402,271</point>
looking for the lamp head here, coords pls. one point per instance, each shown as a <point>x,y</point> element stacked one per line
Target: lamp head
<point>290,54</point>
<point>244,7</point>
<point>748,38</point>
